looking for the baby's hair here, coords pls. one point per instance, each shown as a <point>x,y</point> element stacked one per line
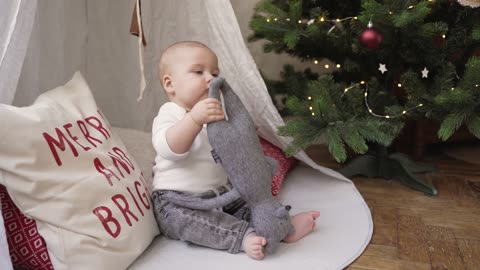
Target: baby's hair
<point>164,63</point>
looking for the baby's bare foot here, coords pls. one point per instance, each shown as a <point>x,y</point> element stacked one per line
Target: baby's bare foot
<point>303,224</point>
<point>253,246</point>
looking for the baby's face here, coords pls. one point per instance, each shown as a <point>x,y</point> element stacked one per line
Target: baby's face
<point>191,72</point>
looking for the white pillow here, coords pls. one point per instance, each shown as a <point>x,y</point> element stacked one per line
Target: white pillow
<point>139,145</point>
<point>64,167</point>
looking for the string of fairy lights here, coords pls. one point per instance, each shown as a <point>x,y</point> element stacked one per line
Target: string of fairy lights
<point>321,19</point>
<point>335,23</point>
<point>370,110</point>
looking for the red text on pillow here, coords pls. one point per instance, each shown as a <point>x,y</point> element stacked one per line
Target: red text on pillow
<point>130,204</point>
<point>59,140</point>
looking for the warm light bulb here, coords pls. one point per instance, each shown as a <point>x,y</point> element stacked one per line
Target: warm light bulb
<point>322,19</point>
<point>327,66</point>
<point>362,82</point>
<point>444,36</point>
<point>299,21</point>
<point>311,108</point>
<point>387,116</point>
<point>399,85</point>
<point>404,112</point>
<point>275,19</point>
<point>315,62</point>
<point>338,66</point>
<point>410,7</point>
<point>268,19</point>
<point>420,104</point>
<point>370,110</point>
<point>288,19</point>
<point>313,113</point>
<point>309,98</point>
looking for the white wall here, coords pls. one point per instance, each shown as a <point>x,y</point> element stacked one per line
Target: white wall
<point>269,63</point>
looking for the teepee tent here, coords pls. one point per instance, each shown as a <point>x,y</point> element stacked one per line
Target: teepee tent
<point>43,43</point>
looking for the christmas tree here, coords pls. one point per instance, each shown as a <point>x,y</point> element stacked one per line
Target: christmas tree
<point>392,60</point>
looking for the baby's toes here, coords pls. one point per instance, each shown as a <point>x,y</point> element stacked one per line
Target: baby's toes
<point>258,255</point>
<point>315,214</point>
<point>259,241</point>
<point>257,248</point>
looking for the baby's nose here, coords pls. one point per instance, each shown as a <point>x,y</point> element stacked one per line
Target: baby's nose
<point>209,77</point>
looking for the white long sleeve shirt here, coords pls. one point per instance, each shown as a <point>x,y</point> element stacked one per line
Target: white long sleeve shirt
<point>194,171</point>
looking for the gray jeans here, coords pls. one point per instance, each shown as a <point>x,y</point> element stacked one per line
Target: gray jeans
<point>218,228</point>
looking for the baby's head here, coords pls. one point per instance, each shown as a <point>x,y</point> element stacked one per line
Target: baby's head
<point>186,69</point>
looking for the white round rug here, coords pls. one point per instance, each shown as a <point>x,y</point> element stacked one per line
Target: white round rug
<point>342,233</point>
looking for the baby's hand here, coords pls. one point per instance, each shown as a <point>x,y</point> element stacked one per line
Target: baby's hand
<point>206,111</point>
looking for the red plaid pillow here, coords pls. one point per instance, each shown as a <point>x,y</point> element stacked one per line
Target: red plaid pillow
<point>284,164</point>
<point>27,248</point>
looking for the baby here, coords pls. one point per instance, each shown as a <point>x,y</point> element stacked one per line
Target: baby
<point>184,164</point>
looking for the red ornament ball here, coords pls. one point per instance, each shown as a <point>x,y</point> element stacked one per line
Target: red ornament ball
<point>371,38</point>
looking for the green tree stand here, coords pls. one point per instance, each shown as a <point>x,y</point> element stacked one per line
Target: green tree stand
<point>379,163</point>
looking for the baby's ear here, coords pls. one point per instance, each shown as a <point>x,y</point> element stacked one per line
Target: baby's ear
<point>168,84</point>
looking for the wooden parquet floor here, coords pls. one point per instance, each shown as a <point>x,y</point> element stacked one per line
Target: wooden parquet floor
<point>416,231</point>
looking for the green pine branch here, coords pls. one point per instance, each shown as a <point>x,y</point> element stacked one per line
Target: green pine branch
<point>438,35</point>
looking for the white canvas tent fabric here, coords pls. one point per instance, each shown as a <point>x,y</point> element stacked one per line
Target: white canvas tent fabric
<point>93,37</point>
<point>16,20</point>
